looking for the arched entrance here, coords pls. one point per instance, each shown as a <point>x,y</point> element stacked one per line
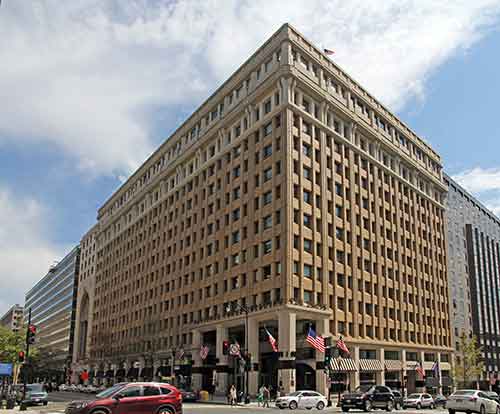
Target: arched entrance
<point>306,377</point>
<point>83,326</point>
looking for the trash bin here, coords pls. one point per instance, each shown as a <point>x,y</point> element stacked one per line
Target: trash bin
<point>203,395</point>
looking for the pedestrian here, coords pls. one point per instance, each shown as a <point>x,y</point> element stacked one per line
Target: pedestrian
<point>232,395</point>
<point>267,397</point>
<point>260,396</point>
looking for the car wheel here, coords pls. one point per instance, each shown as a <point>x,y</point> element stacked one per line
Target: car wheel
<point>390,406</point>
<point>451,411</point>
<point>419,406</point>
<point>292,405</point>
<point>166,410</point>
<point>45,402</point>
<point>320,405</point>
<point>368,405</point>
<point>398,406</point>
<point>482,410</point>
<point>432,407</point>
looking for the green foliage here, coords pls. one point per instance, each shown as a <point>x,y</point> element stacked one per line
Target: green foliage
<point>468,364</point>
<point>10,345</point>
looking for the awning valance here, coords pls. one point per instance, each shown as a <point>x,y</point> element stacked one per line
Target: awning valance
<point>343,365</point>
<point>370,365</point>
<point>393,365</point>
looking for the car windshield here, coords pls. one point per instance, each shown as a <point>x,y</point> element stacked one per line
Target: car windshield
<point>414,396</point>
<point>363,388</point>
<point>110,391</point>
<point>491,394</point>
<point>34,388</point>
<point>294,394</point>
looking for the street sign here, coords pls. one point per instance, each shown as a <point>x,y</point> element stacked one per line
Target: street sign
<point>5,369</point>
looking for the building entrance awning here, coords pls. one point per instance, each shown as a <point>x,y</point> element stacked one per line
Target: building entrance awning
<point>343,365</point>
<point>393,365</point>
<point>370,365</point>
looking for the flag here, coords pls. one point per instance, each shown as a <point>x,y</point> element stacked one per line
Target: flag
<point>272,341</point>
<point>342,347</point>
<point>435,369</point>
<point>234,349</point>
<point>420,370</point>
<point>493,379</point>
<point>204,352</point>
<point>328,51</point>
<point>316,341</point>
<point>180,353</point>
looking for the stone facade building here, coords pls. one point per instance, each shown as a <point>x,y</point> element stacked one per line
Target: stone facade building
<point>13,318</point>
<point>291,196</point>
<point>474,274</point>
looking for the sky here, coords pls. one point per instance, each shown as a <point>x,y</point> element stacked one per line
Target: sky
<point>89,88</point>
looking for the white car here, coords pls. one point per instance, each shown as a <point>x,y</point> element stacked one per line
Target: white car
<point>419,401</point>
<point>302,399</point>
<point>63,387</point>
<point>471,401</point>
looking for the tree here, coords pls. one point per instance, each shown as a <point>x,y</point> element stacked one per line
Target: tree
<point>10,345</point>
<point>468,364</point>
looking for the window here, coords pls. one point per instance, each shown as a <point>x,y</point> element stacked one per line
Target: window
<point>308,270</point>
<point>267,151</point>
<point>307,173</point>
<point>150,391</point>
<point>267,246</point>
<point>267,107</point>
<point>268,128</point>
<point>307,220</point>
<point>130,392</point>
<point>236,172</point>
<point>235,237</point>
<point>306,149</point>
<point>267,197</point>
<point>267,222</point>
<point>307,296</point>
<point>268,174</point>
<point>307,197</point>
<point>308,245</point>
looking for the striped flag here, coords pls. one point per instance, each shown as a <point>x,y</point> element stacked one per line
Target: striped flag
<point>272,341</point>
<point>435,369</point>
<point>316,341</point>
<point>342,347</point>
<point>180,353</point>
<point>420,370</point>
<point>328,51</point>
<point>204,352</point>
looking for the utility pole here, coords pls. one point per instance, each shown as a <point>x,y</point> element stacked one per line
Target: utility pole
<point>25,374</point>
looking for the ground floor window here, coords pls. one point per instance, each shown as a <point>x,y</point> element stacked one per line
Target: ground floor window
<point>367,378</point>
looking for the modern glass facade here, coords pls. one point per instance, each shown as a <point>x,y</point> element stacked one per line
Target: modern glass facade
<point>51,302</point>
<point>474,274</point>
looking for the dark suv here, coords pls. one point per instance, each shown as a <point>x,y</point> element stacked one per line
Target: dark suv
<point>132,398</point>
<point>366,397</point>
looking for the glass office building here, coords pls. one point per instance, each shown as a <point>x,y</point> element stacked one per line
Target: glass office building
<point>52,304</point>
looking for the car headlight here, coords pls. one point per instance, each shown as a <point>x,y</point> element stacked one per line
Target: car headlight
<point>80,404</point>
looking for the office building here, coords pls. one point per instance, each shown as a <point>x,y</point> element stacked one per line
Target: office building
<point>52,304</point>
<point>13,318</point>
<point>474,274</point>
<point>291,195</point>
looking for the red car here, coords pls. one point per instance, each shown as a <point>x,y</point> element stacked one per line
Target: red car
<point>132,398</point>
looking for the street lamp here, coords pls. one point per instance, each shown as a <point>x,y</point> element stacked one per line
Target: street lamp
<point>244,309</point>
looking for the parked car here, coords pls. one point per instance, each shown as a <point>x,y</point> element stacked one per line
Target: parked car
<point>419,401</point>
<point>366,397</point>
<point>471,401</point>
<point>36,394</point>
<point>132,398</point>
<point>188,395</point>
<point>63,387</point>
<point>440,400</point>
<point>302,399</point>
<point>398,399</point>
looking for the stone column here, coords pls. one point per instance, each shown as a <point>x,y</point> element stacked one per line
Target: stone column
<point>356,374</point>
<point>323,329</point>
<point>440,377</point>
<point>196,380</point>
<point>403,372</point>
<point>222,364</point>
<point>253,349</point>
<point>380,376</point>
<point>287,345</point>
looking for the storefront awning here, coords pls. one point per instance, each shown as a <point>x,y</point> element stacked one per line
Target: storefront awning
<point>391,365</point>
<point>343,365</point>
<point>370,365</point>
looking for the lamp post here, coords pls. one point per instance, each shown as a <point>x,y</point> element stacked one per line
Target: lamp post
<point>244,309</point>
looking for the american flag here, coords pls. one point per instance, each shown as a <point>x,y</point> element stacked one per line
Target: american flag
<point>420,370</point>
<point>435,369</point>
<point>272,341</point>
<point>328,51</point>
<point>342,347</point>
<point>316,341</point>
<point>180,353</point>
<point>204,352</point>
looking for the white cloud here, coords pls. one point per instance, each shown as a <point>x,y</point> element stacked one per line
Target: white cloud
<point>83,75</point>
<point>478,180</point>
<point>25,251</point>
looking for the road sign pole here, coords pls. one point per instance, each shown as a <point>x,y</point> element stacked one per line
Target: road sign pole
<point>25,374</point>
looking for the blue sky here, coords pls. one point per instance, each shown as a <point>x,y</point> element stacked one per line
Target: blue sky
<point>91,88</point>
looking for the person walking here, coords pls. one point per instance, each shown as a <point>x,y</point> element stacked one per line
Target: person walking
<point>260,396</point>
<point>232,395</point>
<point>267,397</point>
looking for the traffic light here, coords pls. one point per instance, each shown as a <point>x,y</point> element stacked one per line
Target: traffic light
<point>328,358</point>
<point>20,356</point>
<point>225,347</point>
<point>31,334</point>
